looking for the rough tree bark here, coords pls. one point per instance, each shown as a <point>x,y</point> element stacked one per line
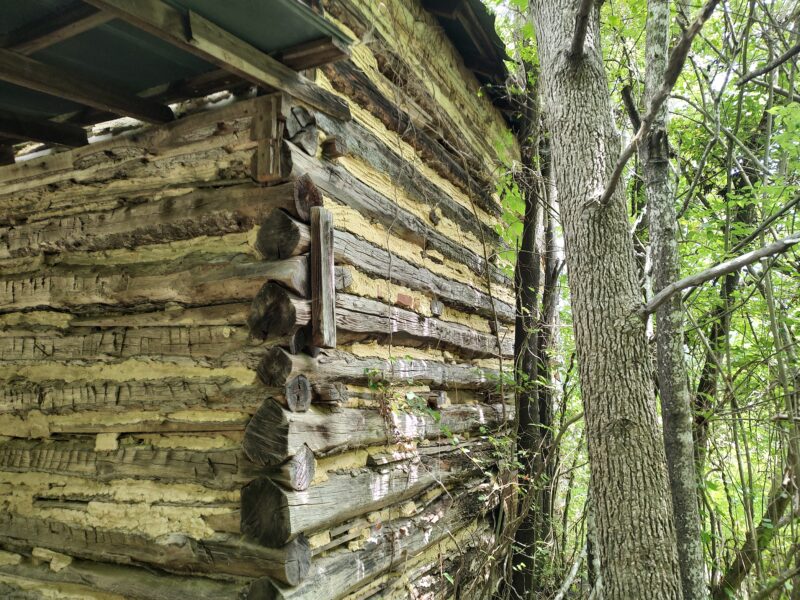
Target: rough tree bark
<point>635,533</point>
<point>676,410</point>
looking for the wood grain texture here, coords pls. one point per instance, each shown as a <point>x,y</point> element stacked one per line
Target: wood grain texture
<point>323,282</point>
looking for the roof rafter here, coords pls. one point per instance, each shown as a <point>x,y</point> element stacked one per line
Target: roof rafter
<point>26,128</point>
<point>57,81</point>
<point>212,43</point>
<point>73,20</point>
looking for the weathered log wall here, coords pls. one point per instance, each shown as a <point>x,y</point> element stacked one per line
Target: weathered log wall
<point>256,352</point>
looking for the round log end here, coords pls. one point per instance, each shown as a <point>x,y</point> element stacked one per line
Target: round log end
<point>265,513</point>
<point>297,393</point>
<point>272,313</point>
<point>279,237</point>
<point>275,368</point>
<point>306,195</point>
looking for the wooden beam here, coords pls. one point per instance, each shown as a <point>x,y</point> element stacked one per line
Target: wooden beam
<point>41,130</point>
<point>314,54</point>
<point>52,29</point>
<point>448,9</point>
<point>212,43</point>
<point>323,280</point>
<point>57,81</point>
<point>6,154</point>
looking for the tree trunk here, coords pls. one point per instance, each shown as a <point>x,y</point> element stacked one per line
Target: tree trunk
<point>676,410</point>
<point>633,512</point>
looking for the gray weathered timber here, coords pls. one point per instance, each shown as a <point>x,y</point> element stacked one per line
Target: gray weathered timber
<point>194,280</point>
<point>364,317</point>
<point>278,366</point>
<point>56,397</point>
<point>129,581</point>
<point>203,211</point>
<point>452,160</point>
<point>348,190</point>
<point>199,341</point>
<point>323,280</point>
<point>335,575</point>
<point>274,434</point>
<point>376,261</point>
<point>276,312</point>
<point>216,469</point>
<point>364,144</point>
<point>274,516</point>
<point>221,554</point>
<point>297,473</point>
<point>280,236</point>
<point>59,81</point>
<point>267,130</point>
<point>352,250</point>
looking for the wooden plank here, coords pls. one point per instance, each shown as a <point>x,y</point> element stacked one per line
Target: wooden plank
<point>223,554</point>
<point>278,366</point>
<point>323,282</point>
<point>145,221</point>
<point>314,54</point>
<point>274,516</point>
<point>274,434</point>
<point>52,29</point>
<point>267,130</point>
<point>391,545</point>
<point>214,44</point>
<point>58,81</point>
<point>194,280</point>
<point>40,130</point>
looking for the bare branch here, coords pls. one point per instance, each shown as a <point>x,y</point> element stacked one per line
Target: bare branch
<point>719,270</point>
<point>673,70</point>
<point>630,106</point>
<point>581,26</point>
<point>769,67</point>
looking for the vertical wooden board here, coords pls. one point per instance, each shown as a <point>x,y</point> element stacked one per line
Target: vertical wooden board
<point>323,284</point>
<point>267,130</point>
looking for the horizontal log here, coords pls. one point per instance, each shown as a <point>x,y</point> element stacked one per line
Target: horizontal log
<point>273,515</point>
<point>278,366</point>
<point>378,262</point>
<point>195,280</point>
<point>345,188</point>
<point>391,545</point>
<point>451,158</point>
<point>217,469</point>
<point>364,144</point>
<point>364,317</point>
<point>127,581</point>
<point>56,397</point>
<point>351,250</point>
<point>222,554</point>
<point>201,341</point>
<point>204,211</point>
<point>274,434</point>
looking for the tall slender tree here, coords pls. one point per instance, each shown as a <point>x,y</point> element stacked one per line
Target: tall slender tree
<point>629,483</point>
<point>673,384</point>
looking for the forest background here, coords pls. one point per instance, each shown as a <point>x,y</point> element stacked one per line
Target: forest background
<point>715,171</point>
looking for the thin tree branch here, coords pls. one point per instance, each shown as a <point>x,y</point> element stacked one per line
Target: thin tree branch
<point>581,27</point>
<point>769,67</point>
<point>673,70</point>
<point>718,271</point>
<point>630,107</point>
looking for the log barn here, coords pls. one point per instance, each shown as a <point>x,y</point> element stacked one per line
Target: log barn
<point>253,316</point>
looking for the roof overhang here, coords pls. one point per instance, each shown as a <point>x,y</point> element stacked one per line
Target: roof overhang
<point>68,63</point>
